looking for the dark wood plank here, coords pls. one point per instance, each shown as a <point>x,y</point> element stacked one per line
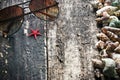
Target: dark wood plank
<point>27,60</point>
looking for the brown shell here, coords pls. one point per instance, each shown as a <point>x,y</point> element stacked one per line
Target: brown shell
<point>112,29</point>
<point>97,63</point>
<point>113,37</point>
<point>101,1</point>
<point>100,45</point>
<point>111,46</point>
<point>103,37</point>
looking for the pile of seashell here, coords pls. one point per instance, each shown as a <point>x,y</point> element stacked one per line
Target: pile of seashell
<point>107,66</point>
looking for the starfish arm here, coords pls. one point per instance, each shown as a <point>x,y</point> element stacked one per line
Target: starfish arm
<point>30,34</point>
<point>39,34</point>
<point>35,36</point>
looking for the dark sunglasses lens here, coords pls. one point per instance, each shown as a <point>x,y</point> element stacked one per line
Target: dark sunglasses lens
<point>50,13</point>
<point>11,19</point>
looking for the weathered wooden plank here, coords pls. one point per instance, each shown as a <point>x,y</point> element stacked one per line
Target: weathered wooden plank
<point>71,40</point>
<point>28,59</point>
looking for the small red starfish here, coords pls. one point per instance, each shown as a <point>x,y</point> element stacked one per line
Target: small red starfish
<point>35,33</point>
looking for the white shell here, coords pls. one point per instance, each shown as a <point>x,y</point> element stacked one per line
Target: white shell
<point>109,9</point>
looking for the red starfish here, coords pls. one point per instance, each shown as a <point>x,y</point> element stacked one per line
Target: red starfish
<point>35,33</point>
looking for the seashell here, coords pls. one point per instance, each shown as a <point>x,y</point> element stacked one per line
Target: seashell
<point>101,1</point>
<point>111,46</point>
<point>100,5</point>
<point>109,9</point>
<point>107,3</point>
<point>117,13</point>
<point>112,29</point>
<point>102,37</point>
<point>109,67</point>
<point>114,22</point>
<point>116,44</point>
<point>118,68</point>
<point>97,63</point>
<point>117,49</point>
<point>105,14</point>
<point>113,37</point>
<point>116,3</point>
<point>104,17</point>
<point>97,73</point>
<point>104,53</point>
<point>100,45</point>
<point>94,4</point>
<point>116,58</point>
<point>99,19</point>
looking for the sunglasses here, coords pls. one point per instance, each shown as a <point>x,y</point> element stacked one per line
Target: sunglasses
<point>11,18</point>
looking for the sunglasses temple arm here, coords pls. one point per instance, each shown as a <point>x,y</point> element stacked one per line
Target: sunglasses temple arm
<point>21,3</point>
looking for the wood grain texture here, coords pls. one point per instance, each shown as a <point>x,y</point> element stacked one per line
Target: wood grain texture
<point>28,59</point>
<point>71,40</point>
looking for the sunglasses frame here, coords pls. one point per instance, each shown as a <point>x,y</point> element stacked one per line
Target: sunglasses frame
<point>24,14</point>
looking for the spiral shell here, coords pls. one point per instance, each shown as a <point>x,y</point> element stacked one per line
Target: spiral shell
<point>109,9</point>
<point>113,37</point>
<point>102,37</point>
<point>112,29</point>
